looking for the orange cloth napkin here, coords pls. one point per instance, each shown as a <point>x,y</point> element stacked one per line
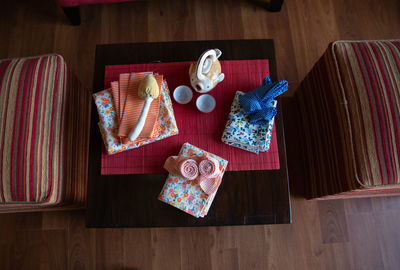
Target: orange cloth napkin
<point>129,106</point>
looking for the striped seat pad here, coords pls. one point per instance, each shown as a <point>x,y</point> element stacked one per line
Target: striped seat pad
<point>44,118</point>
<point>369,73</point>
<point>349,107</point>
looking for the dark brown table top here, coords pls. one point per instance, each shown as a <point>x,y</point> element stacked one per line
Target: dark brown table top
<point>244,198</point>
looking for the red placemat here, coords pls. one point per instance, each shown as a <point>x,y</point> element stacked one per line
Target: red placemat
<point>200,129</point>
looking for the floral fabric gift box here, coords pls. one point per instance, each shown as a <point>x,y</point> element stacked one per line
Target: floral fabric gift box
<point>109,122</point>
<point>239,132</point>
<point>189,195</point>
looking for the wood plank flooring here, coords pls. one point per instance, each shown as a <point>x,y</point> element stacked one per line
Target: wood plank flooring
<point>348,234</point>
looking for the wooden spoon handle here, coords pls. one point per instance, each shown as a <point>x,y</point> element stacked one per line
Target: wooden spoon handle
<point>137,129</point>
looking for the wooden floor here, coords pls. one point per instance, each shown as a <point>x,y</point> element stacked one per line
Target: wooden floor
<point>344,234</point>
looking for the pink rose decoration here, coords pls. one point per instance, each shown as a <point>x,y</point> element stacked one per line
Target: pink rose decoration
<point>209,167</point>
<point>188,169</point>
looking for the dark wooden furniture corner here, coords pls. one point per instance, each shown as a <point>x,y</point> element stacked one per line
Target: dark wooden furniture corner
<point>244,198</point>
<point>73,14</point>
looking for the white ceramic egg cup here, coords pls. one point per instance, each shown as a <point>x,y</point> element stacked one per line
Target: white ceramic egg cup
<point>183,94</point>
<point>205,103</point>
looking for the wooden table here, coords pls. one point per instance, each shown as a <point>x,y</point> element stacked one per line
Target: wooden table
<point>244,198</point>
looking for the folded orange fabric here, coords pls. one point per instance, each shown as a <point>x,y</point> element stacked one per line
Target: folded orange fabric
<point>123,91</point>
<point>115,94</point>
<point>130,105</point>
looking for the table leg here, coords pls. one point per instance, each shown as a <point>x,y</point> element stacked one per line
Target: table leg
<point>73,14</point>
<point>275,5</point>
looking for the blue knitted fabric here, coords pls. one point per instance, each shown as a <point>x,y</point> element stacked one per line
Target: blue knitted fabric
<point>257,103</point>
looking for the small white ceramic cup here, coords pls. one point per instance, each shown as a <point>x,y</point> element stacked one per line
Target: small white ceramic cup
<point>205,103</point>
<point>183,94</point>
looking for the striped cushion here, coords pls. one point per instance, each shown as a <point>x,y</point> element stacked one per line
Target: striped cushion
<point>350,110</point>
<point>44,118</point>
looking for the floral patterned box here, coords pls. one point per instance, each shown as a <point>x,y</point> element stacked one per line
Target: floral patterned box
<point>239,132</point>
<point>109,124</point>
<point>187,195</point>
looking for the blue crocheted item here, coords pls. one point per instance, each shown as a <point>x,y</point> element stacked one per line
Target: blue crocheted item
<point>257,103</point>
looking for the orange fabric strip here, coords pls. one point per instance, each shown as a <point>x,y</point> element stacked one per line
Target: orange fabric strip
<point>129,106</point>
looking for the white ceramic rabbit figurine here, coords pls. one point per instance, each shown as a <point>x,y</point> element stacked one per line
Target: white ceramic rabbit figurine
<point>205,74</point>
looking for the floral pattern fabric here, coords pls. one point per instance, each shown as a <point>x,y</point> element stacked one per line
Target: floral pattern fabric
<point>187,195</point>
<point>109,121</point>
<point>239,132</point>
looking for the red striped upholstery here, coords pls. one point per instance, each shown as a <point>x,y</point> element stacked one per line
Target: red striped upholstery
<point>44,118</point>
<point>350,112</point>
